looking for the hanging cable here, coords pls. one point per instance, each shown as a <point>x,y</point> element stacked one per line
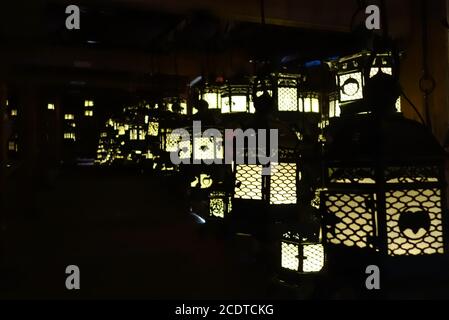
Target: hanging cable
<point>414,107</point>
<point>426,82</point>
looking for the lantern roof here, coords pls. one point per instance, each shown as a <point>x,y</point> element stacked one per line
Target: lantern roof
<point>364,137</point>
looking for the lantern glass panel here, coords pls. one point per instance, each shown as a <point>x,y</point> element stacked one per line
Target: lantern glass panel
<point>288,99</point>
<point>375,70</point>
<point>219,204</point>
<point>238,103</point>
<point>226,105</point>
<point>351,86</point>
<point>290,253</point>
<point>249,179</point>
<point>171,142</point>
<point>334,108</point>
<point>355,226</point>
<point>185,149</point>
<point>283,183</point>
<point>313,257</point>
<point>208,148</point>
<point>309,104</point>
<point>414,222</point>
<point>153,128</point>
<point>213,100</point>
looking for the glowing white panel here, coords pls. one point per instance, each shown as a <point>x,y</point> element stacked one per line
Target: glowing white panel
<point>212,100</point>
<point>249,182</point>
<point>287,99</point>
<point>375,71</point>
<point>208,148</point>
<point>313,258</point>
<point>225,105</point>
<point>334,109</point>
<point>351,86</point>
<point>153,128</point>
<point>283,184</point>
<point>289,259</point>
<point>238,104</point>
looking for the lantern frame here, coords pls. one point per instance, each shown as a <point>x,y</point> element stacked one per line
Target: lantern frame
<point>366,199</point>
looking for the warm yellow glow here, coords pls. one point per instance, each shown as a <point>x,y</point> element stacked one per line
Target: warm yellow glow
<point>351,86</point>
<point>133,134</point>
<point>238,103</point>
<point>204,181</point>
<point>88,113</point>
<point>142,134</point>
<point>249,182</point>
<point>287,99</point>
<point>171,142</point>
<point>420,202</point>
<point>252,109</point>
<point>283,183</point>
<point>185,149</point>
<point>88,103</point>
<point>69,116</point>
<point>375,71</point>
<point>334,109</point>
<point>309,104</point>
<point>14,112</point>
<point>121,131</point>
<point>313,258</point>
<point>12,146</point>
<point>149,155</point>
<point>153,128</point>
<point>225,105</point>
<point>217,204</point>
<point>234,104</point>
<point>360,181</point>
<point>50,106</point>
<point>355,225</point>
<point>289,256</point>
<point>208,148</point>
<point>213,100</point>
<point>69,136</point>
<point>398,105</point>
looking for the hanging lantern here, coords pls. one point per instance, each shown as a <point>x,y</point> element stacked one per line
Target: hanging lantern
<point>212,95</point>
<point>236,98</point>
<point>386,188</point>
<point>300,256</point>
<point>309,102</point>
<point>277,189</point>
<point>288,92</point>
<point>220,204</point>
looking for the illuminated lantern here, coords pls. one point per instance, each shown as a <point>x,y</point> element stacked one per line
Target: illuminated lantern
<point>210,197</point>
<point>153,128</point>
<point>176,105</point>
<point>353,71</point>
<point>385,187</point>
<point>288,97</point>
<point>300,256</point>
<point>334,106</point>
<point>275,194</point>
<point>236,98</point>
<point>212,95</point>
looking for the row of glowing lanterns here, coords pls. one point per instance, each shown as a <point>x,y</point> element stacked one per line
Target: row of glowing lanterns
<point>297,254</point>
